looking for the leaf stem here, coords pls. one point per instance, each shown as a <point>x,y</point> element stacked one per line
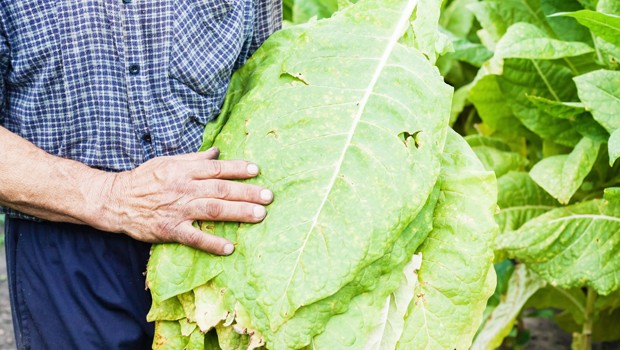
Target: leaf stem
<point>586,332</point>
<point>599,55</point>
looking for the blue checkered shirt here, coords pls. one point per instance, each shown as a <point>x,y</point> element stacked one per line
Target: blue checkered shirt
<point>113,83</point>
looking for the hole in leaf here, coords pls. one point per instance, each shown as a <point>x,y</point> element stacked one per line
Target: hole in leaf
<point>408,138</point>
<point>294,78</point>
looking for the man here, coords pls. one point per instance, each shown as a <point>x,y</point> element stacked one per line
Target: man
<point>102,103</point>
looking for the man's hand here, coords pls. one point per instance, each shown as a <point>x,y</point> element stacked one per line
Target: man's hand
<point>158,201</point>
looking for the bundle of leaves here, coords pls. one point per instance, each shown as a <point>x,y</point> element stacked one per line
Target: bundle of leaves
<point>539,100</point>
<point>381,233</point>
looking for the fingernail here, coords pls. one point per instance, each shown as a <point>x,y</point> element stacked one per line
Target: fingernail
<point>253,169</point>
<point>259,212</point>
<point>266,195</point>
<point>228,249</point>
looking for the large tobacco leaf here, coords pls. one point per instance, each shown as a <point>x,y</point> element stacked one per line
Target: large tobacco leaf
<point>456,277</point>
<point>428,309</point>
<point>348,125</point>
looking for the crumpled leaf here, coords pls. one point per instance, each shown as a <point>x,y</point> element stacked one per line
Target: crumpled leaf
<point>457,276</point>
<point>520,199</point>
<point>375,318</point>
<point>522,78</point>
<point>397,316</point>
<point>573,246</point>
<point>332,124</point>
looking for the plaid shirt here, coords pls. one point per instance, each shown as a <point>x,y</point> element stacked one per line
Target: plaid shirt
<point>114,83</point>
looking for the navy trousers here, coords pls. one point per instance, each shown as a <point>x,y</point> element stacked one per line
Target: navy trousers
<point>74,287</point>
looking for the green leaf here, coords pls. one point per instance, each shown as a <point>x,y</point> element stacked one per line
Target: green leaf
<point>523,78</point>
<point>496,155</point>
<point>168,336</point>
<point>520,200</point>
<point>606,26</point>
<point>487,141</point>
<point>600,93</point>
<point>459,102</point>
<point>614,147</point>
<point>562,110</point>
<point>376,318</point>
<point>562,175</point>
<point>612,194</point>
<point>182,268</point>
<point>491,104</point>
<point>210,308</point>
<point>522,285</point>
<point>608,302</point>
<point>573,301</point>
<point>167,310</point>
<point>229,339</point>
<point>444,314</point>
<point>496,16</point>
<point>457,19</point>
<point>424,33</point>
<point>196,340</point>
<point>565,28</point>
<point>304,10</point>
<point>570,247</point>
<point>605,328</point>
<point>472,53</point>
<point>524,40</point>
<point>589,4</point>
<point>325,121</point>
<point>610,7</point>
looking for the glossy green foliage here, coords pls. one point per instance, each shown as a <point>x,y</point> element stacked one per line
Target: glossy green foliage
<point>542,113</point>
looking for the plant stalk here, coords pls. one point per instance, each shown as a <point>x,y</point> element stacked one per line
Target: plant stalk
<point>586,332</point>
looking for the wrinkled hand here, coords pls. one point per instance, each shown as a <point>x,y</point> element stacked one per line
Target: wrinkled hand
<point>159,200</point>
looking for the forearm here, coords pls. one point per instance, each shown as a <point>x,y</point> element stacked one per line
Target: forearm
<point>156,202</point>
<point>49,187</point>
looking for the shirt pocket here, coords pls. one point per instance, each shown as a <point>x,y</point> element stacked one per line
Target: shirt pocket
<point>208,38</point>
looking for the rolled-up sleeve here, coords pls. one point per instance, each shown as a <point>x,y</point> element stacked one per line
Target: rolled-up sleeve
<point>268,19</point>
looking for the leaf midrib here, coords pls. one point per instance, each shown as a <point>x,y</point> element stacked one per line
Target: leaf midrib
<point>391,44</point>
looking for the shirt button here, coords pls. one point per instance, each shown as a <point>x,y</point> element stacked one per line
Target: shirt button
<point>146,138</point>
<point>134,69</point>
